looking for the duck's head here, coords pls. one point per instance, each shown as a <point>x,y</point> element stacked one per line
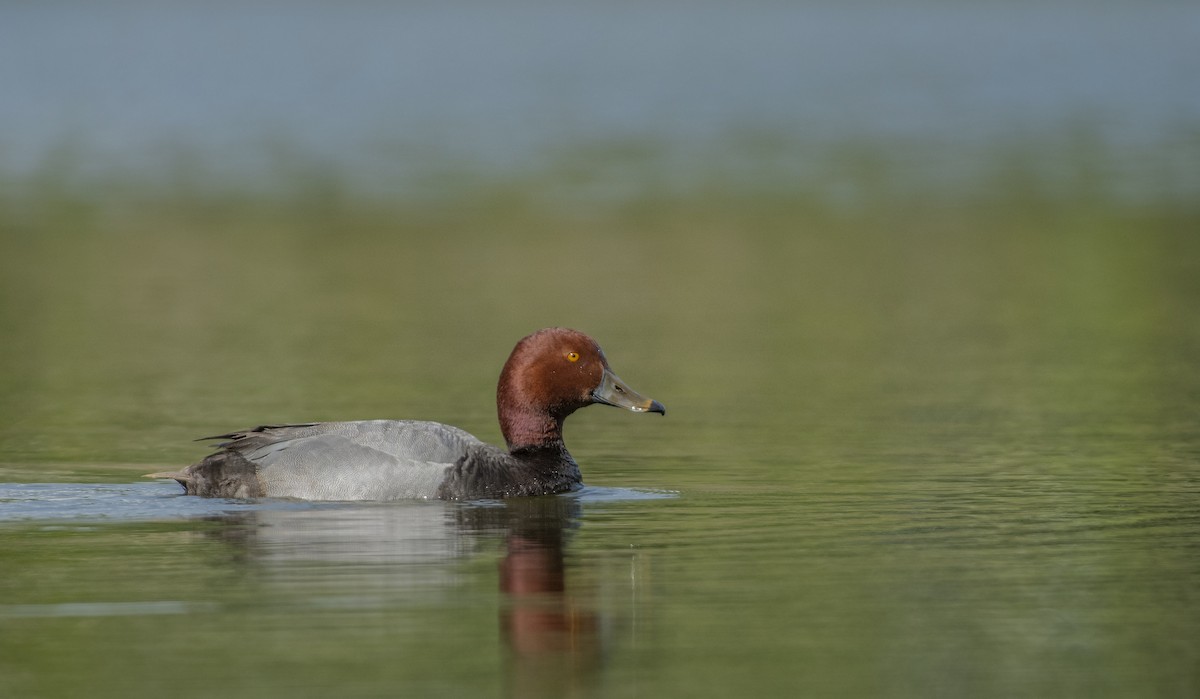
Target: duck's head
<point>551,374</point>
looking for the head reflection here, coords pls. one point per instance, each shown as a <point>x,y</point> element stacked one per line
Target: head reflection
<point>551,636</point>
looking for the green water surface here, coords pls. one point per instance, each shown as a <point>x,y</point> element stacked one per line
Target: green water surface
<point>915,447</point>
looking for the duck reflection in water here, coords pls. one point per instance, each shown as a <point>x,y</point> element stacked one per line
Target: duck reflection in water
<point>388,554</point>
<point>552,638</point>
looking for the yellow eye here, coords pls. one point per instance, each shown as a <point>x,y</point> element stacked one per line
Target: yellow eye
<point>573,356</point>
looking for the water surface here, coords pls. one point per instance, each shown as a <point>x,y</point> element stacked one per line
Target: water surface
<point>911,451</point>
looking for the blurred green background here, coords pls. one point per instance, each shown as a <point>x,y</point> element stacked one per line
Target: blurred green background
<point>917,284</point>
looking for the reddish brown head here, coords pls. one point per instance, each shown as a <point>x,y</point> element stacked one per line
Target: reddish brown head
<point>551,374</point>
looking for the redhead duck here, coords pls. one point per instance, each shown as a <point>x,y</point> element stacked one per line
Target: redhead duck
<point>549,375</point>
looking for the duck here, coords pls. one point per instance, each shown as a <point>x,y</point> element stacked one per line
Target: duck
<point>549,375</point>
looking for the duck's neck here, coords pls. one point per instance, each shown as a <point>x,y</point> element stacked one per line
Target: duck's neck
<point>531,431</point>
<point>535,443</point>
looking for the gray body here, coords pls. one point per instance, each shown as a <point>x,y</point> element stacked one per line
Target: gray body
<point>374,460</point>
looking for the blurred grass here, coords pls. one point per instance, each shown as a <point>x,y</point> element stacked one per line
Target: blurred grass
<point>140,313</point>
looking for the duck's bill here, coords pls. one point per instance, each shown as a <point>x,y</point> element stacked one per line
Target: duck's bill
<point>613,391</point>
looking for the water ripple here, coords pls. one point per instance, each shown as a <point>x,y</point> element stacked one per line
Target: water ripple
<point>163,501</point>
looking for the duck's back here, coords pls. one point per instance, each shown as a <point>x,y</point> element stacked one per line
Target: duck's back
<point>364,460</point>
